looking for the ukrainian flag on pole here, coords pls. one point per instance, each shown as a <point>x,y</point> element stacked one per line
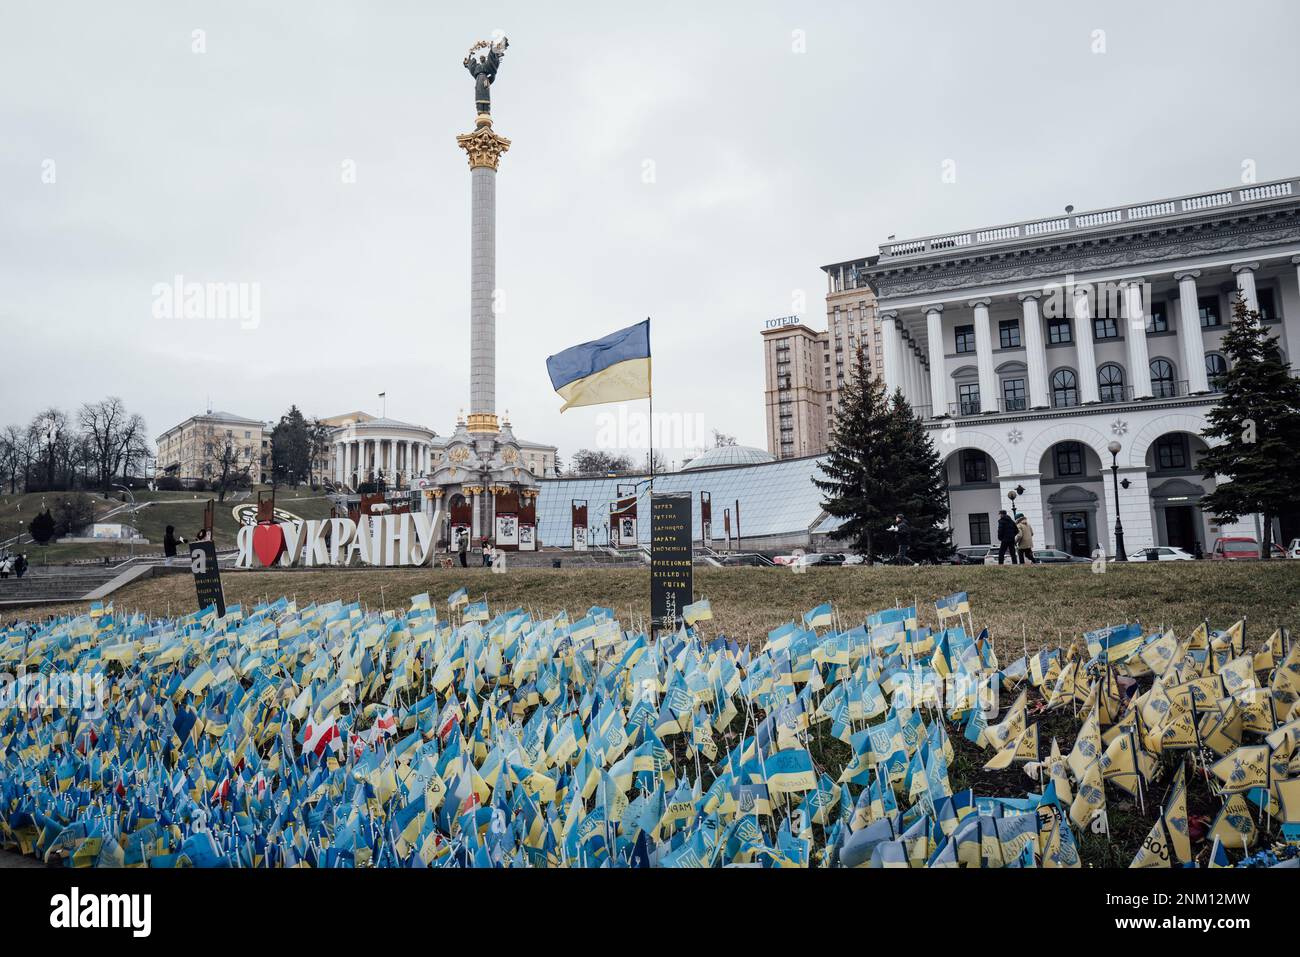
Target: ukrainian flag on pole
<point>612,369</point>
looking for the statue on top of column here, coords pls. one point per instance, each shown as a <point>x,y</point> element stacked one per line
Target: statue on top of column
<point>482,62</point>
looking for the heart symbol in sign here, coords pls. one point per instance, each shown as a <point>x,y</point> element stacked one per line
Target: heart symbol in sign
<point>268,543</point>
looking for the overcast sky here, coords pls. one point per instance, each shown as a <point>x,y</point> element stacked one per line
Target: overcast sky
<point>227,166</point>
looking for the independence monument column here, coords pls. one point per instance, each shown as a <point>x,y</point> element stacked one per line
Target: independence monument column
<point>484,148</point>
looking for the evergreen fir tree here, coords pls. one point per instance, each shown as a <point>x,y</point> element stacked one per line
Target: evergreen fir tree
<point>881,464</point>
<point>1257,421</point>
<point>919,484</point>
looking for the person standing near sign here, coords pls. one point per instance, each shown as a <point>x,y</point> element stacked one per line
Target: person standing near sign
<point>462,548</point>
<point>169,542</point>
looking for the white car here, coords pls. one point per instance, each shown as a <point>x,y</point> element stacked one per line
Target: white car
<point>1161,553</point>
<point>1293,550</point>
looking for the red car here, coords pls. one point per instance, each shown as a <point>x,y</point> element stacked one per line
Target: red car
<point>1236,547</point>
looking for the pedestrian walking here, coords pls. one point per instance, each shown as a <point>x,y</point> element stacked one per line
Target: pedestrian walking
<point>1006,538</point>
<point>1025,540</point>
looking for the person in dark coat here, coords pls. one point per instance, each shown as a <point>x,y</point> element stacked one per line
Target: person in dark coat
<point>1006,538</point>
<point>169,542</point>
<point>903,533</point>
<point>462,547</point>
<point>20,565</point>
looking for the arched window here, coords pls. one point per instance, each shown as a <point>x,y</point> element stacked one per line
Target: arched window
<point>1163,385</point>
<point>1065,388</point>
<point>1110,383</point>
<point>1215,368</point>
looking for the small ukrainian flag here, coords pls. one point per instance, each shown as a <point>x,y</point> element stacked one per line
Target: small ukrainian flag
<point>457,598</point>
<point>612,369</point>
<point>698,611</point>
<point>952,605</point>
<point>819,617</point>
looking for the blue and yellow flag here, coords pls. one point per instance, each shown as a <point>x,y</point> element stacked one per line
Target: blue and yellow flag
<point>611,369</point>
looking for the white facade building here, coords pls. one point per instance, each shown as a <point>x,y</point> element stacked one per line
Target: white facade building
<point>1031,347</point>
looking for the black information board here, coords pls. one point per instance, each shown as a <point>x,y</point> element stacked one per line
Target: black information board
<point>671,558</point>
<point>207,577</point>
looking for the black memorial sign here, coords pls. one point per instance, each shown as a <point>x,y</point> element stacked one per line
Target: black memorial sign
<point>207,577</point>
<point>671,558</point>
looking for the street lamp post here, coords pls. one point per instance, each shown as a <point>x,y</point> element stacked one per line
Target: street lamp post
<point>131,540</point>
<point>1114,448</point>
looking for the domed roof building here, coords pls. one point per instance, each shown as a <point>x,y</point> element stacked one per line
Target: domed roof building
<point>726,455</point>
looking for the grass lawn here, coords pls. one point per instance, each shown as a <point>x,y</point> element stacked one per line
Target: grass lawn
<point>1044,605</point>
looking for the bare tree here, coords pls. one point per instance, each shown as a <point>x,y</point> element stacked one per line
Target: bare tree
<point>110,433</point>
<point>12,455</point>
<point>49,430</point>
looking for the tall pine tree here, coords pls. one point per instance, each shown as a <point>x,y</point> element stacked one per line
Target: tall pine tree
<point>1257,423</point>
<point>881,463</point>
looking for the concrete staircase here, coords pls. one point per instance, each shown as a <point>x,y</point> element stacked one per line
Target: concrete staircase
<point>45,586</point>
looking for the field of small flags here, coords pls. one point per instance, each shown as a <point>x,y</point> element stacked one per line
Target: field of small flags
<point>456,735</point>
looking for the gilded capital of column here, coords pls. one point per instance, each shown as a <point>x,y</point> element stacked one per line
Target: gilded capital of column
<point>482,422</point>
<point>484,146</point>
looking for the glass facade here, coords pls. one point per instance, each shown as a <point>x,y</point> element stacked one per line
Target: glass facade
<point>776,498</point>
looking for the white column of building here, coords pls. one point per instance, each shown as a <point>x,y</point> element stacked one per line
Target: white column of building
<point>909,373</point>
<point>1246,283</point>
<point>1189,332</point>
<point>474,522</point>
<point>984,355</point>
<point>891,345</point>
<point>938,378</point>
<point>340,461</point>
<point>1084,347</point>
<point>1031,331</point>
<point>1139,359</point>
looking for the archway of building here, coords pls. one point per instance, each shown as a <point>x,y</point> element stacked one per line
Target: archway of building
<point>1073,487</point>
<point>1177,488</point>
<point>973,496</point>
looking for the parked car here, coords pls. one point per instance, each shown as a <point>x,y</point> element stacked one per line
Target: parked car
<point>851,559</point>
<point>821,558</point>
<point>1293,550</point>
<point>1161,553</point>
<point>1240,547</point>
<point>1054,556</point>
<point>971,554</point>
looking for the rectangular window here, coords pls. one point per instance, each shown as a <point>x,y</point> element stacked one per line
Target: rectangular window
<point>965,339</point>
<point>1013,395</point>
<point>1267,311</point>
<point>1009,333</point>
<point>974,467</point>
<point>1208,307</point>
<point>1105,328</point>
<point>1158,321</point>
<point>1058,330</point>
<point>1069,458</point>
<point>1171,452</point>
<point>979,529</point>
<point>968,398</point>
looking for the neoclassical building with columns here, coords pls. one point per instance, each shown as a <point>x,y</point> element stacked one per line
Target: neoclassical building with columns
<point>1030,348</point>
<point>367,448</point>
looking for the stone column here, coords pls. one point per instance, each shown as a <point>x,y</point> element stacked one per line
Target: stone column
<point>890,346</point>
<point>1085,349</point>
<point>1190,340</point>
<point>474,521</point>
<point>1139,359</point>
<point>1246,284</point>
<point>484,148</point>
<point>1031,330</point>
<point>984,355</point>
<point>938,378</point>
